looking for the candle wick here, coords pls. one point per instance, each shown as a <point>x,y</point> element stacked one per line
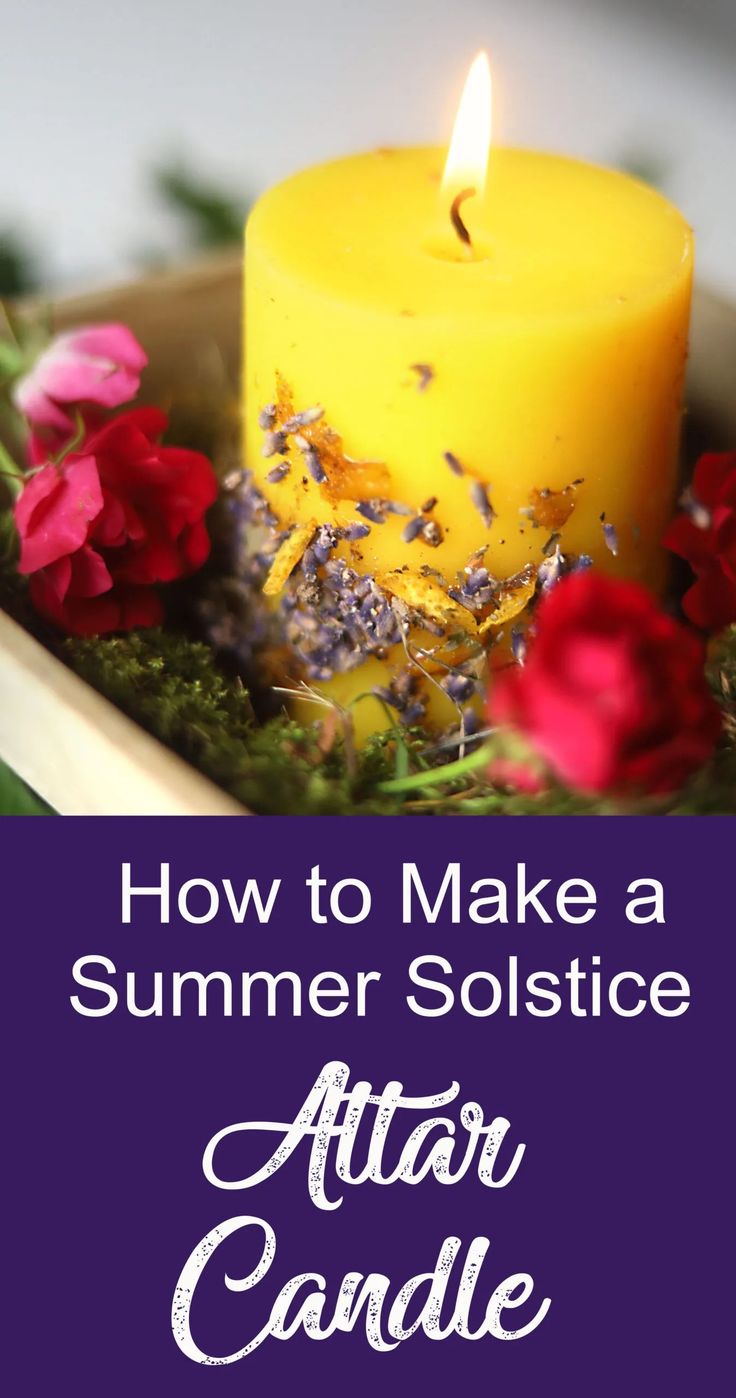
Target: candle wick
<point>456,217</point>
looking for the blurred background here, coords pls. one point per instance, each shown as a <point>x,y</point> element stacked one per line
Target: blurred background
<point>132,133</point>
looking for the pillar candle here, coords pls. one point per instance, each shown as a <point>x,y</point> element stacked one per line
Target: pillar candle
<point>486,405</point>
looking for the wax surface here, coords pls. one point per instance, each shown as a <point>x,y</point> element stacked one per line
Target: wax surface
<point>555,356</point>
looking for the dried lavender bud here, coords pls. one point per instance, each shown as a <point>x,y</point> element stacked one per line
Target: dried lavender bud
<point>453,463</point>
<point>309,562</point>
<point>551,545</point>
<point>354,531</point>
<point>274,443</point>
<point>549,571</point>
<point>475,579</point>
<point>413,529</point>
<point>479,497</point>
<point>611,537</point>
<point>325,540</point>
<point>303,419</point>
<point>314,465</point>
<point>459,594</point>
<point>518,645</point>
<point>414,713</point>
<point>458,688</point>
<point>278,472</point>
<point>381,692</point>
<point>428,505</point>
<point>432,533</point>
<point>395,507</point>
<point>582,562</point>
<point>471,722</point>
<point>267,417</point>
<point>374,510</point>
<point>308,594</point>
<point>425,373</point>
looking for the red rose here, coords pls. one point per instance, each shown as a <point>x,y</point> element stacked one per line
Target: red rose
<point>113,518</point>
<point>705,535</point>
<point>613,694</point>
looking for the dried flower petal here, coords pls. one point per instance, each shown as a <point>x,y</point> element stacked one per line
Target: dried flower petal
<point>287,558</point>
<point>550,509</point>
<point>511,598</point>
<point>425,595</point>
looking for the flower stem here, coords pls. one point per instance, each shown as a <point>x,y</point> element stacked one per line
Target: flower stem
<point>418,780</point>
<point>11,472</point>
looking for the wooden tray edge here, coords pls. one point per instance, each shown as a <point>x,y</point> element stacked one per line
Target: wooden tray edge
<point>102,762</point>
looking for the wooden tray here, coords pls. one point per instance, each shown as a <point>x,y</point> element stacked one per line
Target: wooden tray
<point>69,743</point>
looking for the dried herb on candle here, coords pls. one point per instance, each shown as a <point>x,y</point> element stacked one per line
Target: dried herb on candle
<point>426,596</point>
<point>413,529</point>
<point>351,619</point>
<point>274,443</point>
<point>354,531</point>
<point>551,544</point>
<point>313,463</point>
<point>479,497</point>
<point>551,509</point>
<point>475,589</point>
<point>610,536</point>
<point>518,645</point>
<point>425,374</point>
<point>304,419</point>
<point>278,472</point>
<point>511,597</point>
<point>287,557</point>
<point>454,464</point>
<point>458,687</point>
<point>378,507</point>
<point>374,510</point>
<point>432,533</point>
<point>550,570</point>
<point>404,694</point>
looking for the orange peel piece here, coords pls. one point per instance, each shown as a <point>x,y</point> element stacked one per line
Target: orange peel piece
<point>427,596</point>
<point>287,557</point>
<point>514,596</point>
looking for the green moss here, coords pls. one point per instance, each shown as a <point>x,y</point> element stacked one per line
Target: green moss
<point>173,686</point>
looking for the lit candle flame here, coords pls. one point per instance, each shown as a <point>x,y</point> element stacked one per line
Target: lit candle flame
<point>467,159</point>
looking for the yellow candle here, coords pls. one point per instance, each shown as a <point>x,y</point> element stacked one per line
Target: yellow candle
<point>538,368</point>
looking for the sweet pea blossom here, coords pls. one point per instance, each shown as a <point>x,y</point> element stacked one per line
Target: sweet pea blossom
<point>97,365</point>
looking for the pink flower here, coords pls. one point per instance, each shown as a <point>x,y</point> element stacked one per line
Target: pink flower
<point>97,365</point>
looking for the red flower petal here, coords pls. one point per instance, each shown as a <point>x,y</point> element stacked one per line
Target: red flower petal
<point>613,693</point>
<point>54,511</point>
<point>711,601</point>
